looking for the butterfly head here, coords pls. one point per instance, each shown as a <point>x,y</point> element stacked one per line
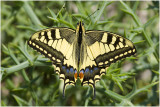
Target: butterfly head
<point>80,27</point>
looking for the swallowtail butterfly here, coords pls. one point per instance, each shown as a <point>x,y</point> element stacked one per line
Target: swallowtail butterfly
<point>80,53</point>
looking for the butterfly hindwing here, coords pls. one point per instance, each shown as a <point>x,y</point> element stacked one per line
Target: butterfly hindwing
<point>58,45</point>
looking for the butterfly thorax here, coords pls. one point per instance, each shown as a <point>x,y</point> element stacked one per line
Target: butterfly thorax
<point>79,33</point>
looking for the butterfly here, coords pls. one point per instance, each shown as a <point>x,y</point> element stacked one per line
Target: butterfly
<point>81,54</point>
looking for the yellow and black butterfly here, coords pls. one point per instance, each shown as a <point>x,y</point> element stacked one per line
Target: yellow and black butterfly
<point>80,53</point>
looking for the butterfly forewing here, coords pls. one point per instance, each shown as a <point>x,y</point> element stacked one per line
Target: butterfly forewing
<point>108,47</point>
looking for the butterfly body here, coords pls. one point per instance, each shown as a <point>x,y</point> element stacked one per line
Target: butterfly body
<point>81,54</point>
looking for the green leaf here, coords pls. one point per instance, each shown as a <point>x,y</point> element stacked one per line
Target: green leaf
<point>20,101</point>
<point>26,28</point>
<point>103,22</point>
<point>156,72</point>
<point>13,56</point>
<point>119,85</point>
<point>114,95</point>
<point>52,13</point>
<point>138,42</point>
<point>31,14</point>
<point>3,103</point>
<point>137,30</point>
<point>151,20</point>
<point>66,23</point>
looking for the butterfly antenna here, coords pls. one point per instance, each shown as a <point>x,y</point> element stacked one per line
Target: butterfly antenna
<point>69,14</point>
<point>92,13</point>
<point>63,7</point>
<point>75,18</point>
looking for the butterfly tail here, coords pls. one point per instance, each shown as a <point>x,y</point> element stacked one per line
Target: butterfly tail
<point>94,92</point>
<point>64,90</point>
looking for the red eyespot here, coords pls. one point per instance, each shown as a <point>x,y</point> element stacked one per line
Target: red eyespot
<point>81,75</point>
<point>75,75</point>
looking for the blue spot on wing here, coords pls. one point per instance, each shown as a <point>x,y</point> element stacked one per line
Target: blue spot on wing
<point>87,70</point>
<point>95,68</point>
<point>91,71</point>
<point>67,70</point>
<point>64,67</point>
<point>71,70</point>
<point>75,71</point>
<point>82,71</point>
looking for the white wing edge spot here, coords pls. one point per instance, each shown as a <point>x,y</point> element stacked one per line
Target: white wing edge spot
<point>41,49</point>
<point>49,34</point>
<point>104,38</point>
<point>57,34</point>
<point>30,42</point>
<point>37,46</point>
<point>50,42</point>
<point>42,33</point>
<point>33,44</point>
<point>134,50</point>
